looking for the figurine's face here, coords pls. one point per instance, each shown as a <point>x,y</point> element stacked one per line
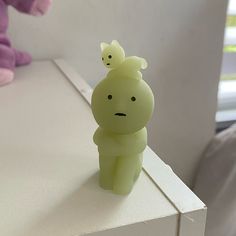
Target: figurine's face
<point>122,105</point>
<point>112,56</point>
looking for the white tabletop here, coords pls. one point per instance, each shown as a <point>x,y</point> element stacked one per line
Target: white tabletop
<point>49,164</point>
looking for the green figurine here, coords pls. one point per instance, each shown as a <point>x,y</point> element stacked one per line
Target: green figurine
<point>122,104</point>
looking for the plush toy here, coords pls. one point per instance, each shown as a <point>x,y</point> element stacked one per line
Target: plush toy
<point>10,57</point>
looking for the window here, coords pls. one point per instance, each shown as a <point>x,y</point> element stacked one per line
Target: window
<point>226,114</point>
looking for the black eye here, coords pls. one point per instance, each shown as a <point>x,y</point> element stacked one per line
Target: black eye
<point>110,56</point>
<point>109,96</point>
<point>133,99</point>
<point>102,58</point>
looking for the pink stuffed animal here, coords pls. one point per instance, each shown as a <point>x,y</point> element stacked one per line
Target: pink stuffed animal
<point>10,57</point>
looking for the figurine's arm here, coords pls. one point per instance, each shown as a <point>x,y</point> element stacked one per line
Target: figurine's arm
<point>133,143</point>
<point>34,7</point>
<point>97,136</point>
<point>107,144</point>
<point>119,145</point>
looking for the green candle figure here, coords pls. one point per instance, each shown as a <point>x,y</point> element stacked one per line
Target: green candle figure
<point>122,104</point>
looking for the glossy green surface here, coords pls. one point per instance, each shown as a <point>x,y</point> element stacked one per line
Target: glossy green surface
<point>122,104</point>
<point>113,57</point>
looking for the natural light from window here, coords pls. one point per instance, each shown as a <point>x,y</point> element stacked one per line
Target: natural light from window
<point>227,87</point>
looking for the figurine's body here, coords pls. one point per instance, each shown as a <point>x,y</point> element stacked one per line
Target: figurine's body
<point>120,158</point>
<point>122,104</point>
<point>10,57</point>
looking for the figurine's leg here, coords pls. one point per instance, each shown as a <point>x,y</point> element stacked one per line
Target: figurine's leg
<point>107,169</point>
<point>126,169</point>
<point>139,166</point>
<point>22,58</point>
<point>7,64</point>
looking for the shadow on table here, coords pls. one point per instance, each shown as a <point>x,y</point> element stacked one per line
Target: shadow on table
<point>85,210</point>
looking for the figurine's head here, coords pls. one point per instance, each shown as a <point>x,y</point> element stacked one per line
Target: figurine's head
<point>112,54</point>
<point>122,105</point>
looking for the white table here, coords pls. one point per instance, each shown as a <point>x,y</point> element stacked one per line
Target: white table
<point>49,168</point>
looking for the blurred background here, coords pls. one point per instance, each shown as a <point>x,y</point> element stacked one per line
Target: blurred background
<point>191,50</point>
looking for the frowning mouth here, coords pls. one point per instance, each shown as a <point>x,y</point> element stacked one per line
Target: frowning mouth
<point>120,114</point>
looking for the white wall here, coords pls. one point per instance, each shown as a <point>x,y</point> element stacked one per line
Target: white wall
<point>182,41</point>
